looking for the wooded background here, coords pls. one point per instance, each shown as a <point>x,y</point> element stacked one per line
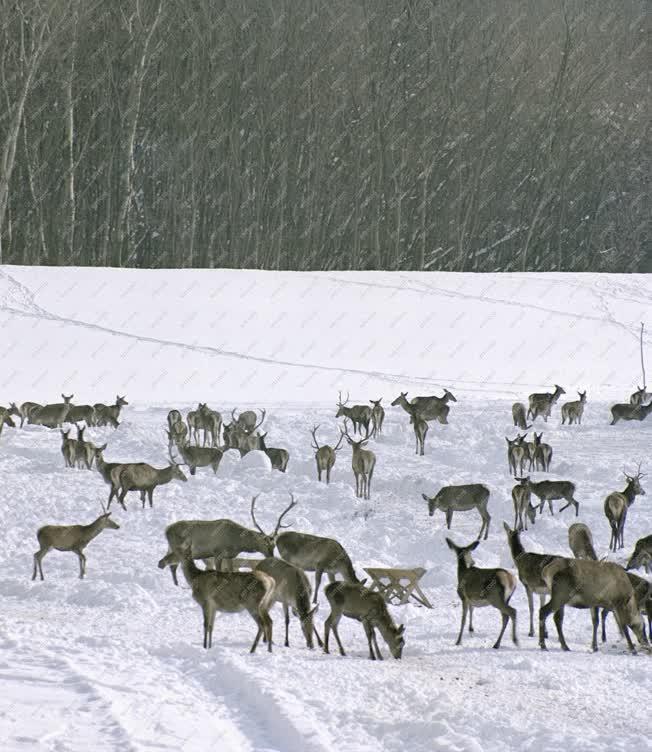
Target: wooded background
<point>467,135</point>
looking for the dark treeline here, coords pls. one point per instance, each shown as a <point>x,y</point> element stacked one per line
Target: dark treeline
<point>468,135</point>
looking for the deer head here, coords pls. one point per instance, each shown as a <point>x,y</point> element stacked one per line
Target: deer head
<point>270,540</point>
<point>402,397</point>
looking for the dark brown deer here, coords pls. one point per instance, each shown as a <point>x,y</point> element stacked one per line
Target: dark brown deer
<point>624,411</point>
<point>141,477</point>
<point>363,462</point>
<point>616,506</point>
<point>518,416</point>
<point>107,415</point>
<point>359,415</point>
<point>277,456</point>
<point>573,411</point>
<point>325,455</point>
<point>541,403</point>
<point>451,499</point>
<point>642,556</point>
<point>377,416</point>
<point>551,490</point>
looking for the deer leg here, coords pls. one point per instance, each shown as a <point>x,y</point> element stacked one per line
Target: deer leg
<point>470,618</point>
<point>318,472</point>
<point>545,611</point>
<point>464,610</point>
<point>333,625</point>
<point>328,475</point>
<point>82,564</point>
<point>530,603</point>
<point>38,558</point>
<point>559,623</point>
<point>286,613</point>
<point>369,631</point>
<point>449,518</point>
<point>150,494</point>
<point>625,631</point>
<point>595,618</point>
<point>173,569</point>
<point>379,655</point>
<point>318,574</point>
<point>505,618</point>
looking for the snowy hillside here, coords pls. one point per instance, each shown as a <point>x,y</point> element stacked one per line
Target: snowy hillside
<point>114,662</point>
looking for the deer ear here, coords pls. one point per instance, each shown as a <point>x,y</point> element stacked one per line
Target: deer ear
<point>474,545</point>
<point>508,529</point>
<point>451,545</point>
<point>401,628</point>
<point>424,497</point>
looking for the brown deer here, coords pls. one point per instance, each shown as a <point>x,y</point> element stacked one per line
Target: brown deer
<point>212,424</point>
<point>107,415</point>
<point>642,556</point>
<point>246,421</point>
<point>624,411</point>
<point>573,411</point>
<point>25,409</point>
<point>363,462</point>
<point>51,416</point>
<point>483,587</point>
<point>551,490</point>
<point>81,412</point>
<point>616,506</point>
<point>542,454</point>
<point>359,415</point>
<point>580,541</point>
<point>640,396</point>
<point>430,408</point>
<point>369,608</point>
<point>277,456</point>
<point>193,456</point>
<point>541,403</point>
<point>325,455</point>
<point>643,594</point>
<point>139,476</point>
<point>377,416</point>
<point>522,500</point>
<point>73,538</point>
<point>451,499</point>
<point>518,416</point>
<point>67,448</point>
<point>516,455</point>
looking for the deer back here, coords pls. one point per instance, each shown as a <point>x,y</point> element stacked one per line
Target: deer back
<point>462,498</point>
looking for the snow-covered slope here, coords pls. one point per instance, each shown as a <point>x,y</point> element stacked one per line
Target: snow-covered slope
<point>114,662</point>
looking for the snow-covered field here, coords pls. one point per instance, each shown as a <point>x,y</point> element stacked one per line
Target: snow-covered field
<point>114,662</point>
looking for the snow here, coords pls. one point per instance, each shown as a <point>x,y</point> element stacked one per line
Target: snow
<point>114,662</point>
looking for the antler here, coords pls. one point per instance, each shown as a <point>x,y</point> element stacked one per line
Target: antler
<point>346,430</point>
<point>172,460</point>
<point>293,503</point>
<point>337,446</point>
<point>315,445</point>
<point>253,516</point>
<point>103,507</point>
<point>262,420</point>
<point>339,401</point>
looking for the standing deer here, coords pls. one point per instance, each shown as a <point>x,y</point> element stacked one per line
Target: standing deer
<point>580,541</point>
<point>483,587</point>
<point>363,462</point>
<point>174,417</point>
<point>359,415</point>
<point>451,499</point>
<point>523,509</point>
<point>518,416</point>
<point>530,568</point>
<point>542,454</point>
<point>313,553</point>
<point>420,427</point>
<point>139,476</point>
<point>325,455</point>
<point>590,584</point>
<point>109,414</point>
<point>377,416</point>
<point>541,403</point>
<point>551,490</point>
<point>292,589</point>
<point>642,556</point>
<point>231,592</point>
<point>277,456</point>
<point>246,421</point>
<point>194,456</point>
<point>67,448</point>
<point>52,415</point>
<point>624,411</point>
<point>70,538</point>
<point>369,608</point>
<point>222,540</point>
<point>25,409</point>
<point>83,450</point>
<point>105,469</point>
<point>616,506</point>
<point>640,396</point>
<point>177,434</point>
<point>81,412</point>
<point>643,594</point>
<point>212,424</point>
<point>573,411</point>
<point>516,455</point>
<point>430,408</point>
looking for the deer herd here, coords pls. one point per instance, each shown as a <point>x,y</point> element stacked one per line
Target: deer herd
<point>201,440</point>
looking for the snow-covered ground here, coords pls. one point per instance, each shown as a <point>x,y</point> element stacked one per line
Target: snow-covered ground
<point>114,662</point>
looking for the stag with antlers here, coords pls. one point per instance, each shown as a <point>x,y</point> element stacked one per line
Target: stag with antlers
<point>325,455</point>
<point>363,462</point>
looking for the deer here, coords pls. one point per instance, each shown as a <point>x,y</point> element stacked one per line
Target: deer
<point>542,454</point>
<point>139,476</point>
<point>530,568</point>
<point>212,423</point>
<point>518,416</point>
<point>643,594</point>
<point>5,419</point>
<point>451,499</point>
<point>105,469</point>
<point>430,408</point>
<point>109,414</point>
<point>617,504</point>
<point>359,415</point>
<point>221,540</point>
<point>377,416</point>
<point>420,427</point>
<point>523,509</point>
<point>580,541</point>
<point>231,592</point>
<point>551,490</point>
<point>573,411</point>
<point>582,583</point>
<point>70,538</point>
<point>81,412</point>
<point>292,589</point>
<point>312,553</point>
<point>541,403</point>
<point>174,417</point>
<point>478,587</point>
<point>177,434</point>
<point>193,456</point>
<point>516,454</point>
<point>196,423</point>
<point>624,411</point>
<point>83,450</point>
<point>640,396</point>
<point>52,415</point>
<point>325,455</point>
<point>642,556</point>
<point>363,462</point>
<point>25,409</point>
<point>247,420</point>
<point>369,608</point>
<point>277,456</point>
<point>67,448</point>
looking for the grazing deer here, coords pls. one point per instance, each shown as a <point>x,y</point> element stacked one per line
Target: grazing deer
<point>523,509</point>
<point>640,396</point>
<point>377,416</point>
<point>363,462</point>
<point>193,456</point>
<point>642,556</point>
<point>313,553</point>
<point>541,403</point>
<point>430,408</point>
<point>573,411</point>
<point>530,568</point>
<point>542,454</point>
<point>325,455</point>
<point>219,539</point>
<point>109,414</point>
<point>516,455</point>
<point>483,587</point>
<point>581,583</point>
<point>81,412</point>
<point>643,594</point>
<point>139,476</point>
<point>277,456</point>
<point>518,416</point>
<point>451,499</point>
<point>70,538</point>
<point>246,421</point>
<point>292,589</point>
<point>580,541</point>
<point>359,415</point>
<point>25,409</point>
<point>624,411</point>
<point>616,506</point>
<point>231,592</point>
<point>369,608</point>
<point>551,490</point>
<point>51,416</point>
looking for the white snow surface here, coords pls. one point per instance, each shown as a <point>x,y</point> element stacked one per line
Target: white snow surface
<point>115,662</point>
